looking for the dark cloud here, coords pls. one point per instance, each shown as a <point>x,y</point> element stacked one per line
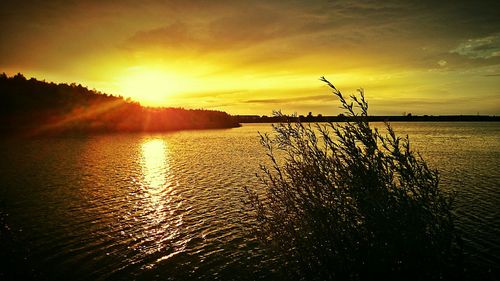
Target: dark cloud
<point>274,31</point>
<point>239,29</point>
<point>364,28</point>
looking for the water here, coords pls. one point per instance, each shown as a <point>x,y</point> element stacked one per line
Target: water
<point>168,206</point>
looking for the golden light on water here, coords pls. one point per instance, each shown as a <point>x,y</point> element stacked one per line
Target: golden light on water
<point>154,165</point>
<point>161,224</point>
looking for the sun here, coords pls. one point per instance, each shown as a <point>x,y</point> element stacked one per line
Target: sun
<point>151,86</point>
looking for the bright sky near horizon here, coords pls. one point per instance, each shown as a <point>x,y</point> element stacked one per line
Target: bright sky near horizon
<point>253,56</point>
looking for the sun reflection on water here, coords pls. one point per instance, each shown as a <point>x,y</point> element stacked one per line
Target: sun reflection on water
<point>161,224</point>
<point>154,165</point>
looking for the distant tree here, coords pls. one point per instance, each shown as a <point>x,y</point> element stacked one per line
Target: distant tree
<point>19,77</point>
<point>347,202</point>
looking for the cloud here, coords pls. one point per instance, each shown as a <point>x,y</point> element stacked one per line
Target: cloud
<point>480,48</point>
<point>437,105</point>
<point>315,98</point>
<point>232,31</point>
<point>442,63</point>
<point>267,48</point>
<point>347,33</point>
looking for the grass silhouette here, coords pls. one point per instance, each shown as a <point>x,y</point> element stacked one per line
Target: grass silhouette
<point>347,202</point>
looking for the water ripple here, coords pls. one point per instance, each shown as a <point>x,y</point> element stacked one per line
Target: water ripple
<point>168,206</point>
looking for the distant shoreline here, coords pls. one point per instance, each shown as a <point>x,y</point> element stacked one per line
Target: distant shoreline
<point>423,118</point>
<point>30,107</point>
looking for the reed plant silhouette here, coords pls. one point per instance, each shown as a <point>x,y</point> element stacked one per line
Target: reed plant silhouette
<point>347,202</point>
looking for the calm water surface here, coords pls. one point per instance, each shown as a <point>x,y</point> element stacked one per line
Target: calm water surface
<point>168,206</point>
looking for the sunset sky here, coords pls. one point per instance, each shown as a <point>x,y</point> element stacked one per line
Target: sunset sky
<point>250,57</point>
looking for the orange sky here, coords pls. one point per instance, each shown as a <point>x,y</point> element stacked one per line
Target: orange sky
<point>250,57</point>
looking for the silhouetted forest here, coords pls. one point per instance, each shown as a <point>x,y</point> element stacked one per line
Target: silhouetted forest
<point>34,107</point>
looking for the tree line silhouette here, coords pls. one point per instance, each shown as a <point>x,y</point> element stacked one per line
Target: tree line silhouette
<point>34,107</point>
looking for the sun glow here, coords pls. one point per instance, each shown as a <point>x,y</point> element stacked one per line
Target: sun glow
<point>150,86</point>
